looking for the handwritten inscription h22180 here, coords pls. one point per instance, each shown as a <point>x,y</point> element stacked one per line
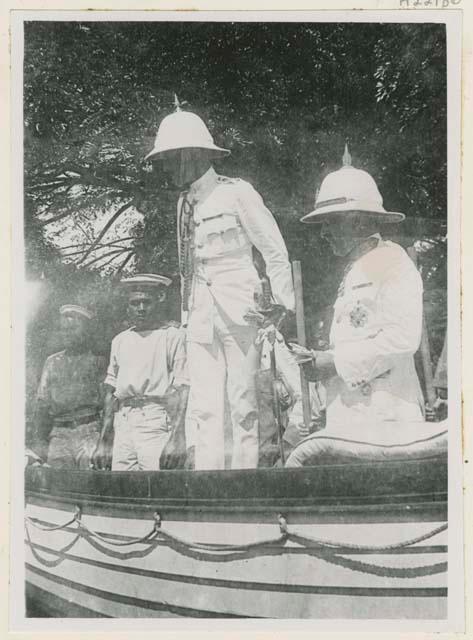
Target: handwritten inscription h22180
<point>434,4</point>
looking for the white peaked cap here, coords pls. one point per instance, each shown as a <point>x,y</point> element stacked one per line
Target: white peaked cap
<point>184,130</point>
<point>350,190</point>
<point>68,309</point>
<point>146,280</point>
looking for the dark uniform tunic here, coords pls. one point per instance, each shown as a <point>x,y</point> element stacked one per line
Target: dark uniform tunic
<point>71,390</point>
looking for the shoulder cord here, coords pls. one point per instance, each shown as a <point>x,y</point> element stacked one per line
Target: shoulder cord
<point>186,229</point>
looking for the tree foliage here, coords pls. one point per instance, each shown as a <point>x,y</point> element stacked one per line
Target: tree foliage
<point>284,97</point>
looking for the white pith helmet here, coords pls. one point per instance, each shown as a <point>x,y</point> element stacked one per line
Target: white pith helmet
<point>349,190</point>
<point>184,130</point>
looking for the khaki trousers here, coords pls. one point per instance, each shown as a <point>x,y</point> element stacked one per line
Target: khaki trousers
<point>226,366</point>
<point>72,448</point>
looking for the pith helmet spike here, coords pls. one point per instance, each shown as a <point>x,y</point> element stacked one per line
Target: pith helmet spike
<point>177,104</point>
<point>346,160</point>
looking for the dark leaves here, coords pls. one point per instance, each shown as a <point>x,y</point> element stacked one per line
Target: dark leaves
<point>283,97</point>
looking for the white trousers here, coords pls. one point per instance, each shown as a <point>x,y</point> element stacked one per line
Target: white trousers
<point>226,366</point>
<point>140,436</point>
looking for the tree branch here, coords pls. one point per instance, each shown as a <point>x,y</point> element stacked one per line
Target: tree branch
<point>131,252</point>
<point>110,253</point>
<point>126,261</point>
<point>60,216</point>
<point>101,246</point>
<point>111,222</point>
<point>54,184</point>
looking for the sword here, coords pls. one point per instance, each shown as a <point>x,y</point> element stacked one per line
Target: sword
<point>301,338</point>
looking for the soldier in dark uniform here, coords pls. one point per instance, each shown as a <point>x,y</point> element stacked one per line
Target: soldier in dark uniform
<point>70,395</point>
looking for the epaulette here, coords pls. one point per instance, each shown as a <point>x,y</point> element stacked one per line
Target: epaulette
<point>227,180</point>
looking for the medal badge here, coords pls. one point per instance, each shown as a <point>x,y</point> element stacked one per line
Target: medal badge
<point>358,316</point>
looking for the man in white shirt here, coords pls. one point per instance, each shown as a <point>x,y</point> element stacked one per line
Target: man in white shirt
<point>368,371</point>
<point>146,377</point>
<point>220,220</point>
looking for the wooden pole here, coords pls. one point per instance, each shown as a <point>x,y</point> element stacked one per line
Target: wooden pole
<point>276,405</point>
<point>425,349</point>
<point>301,338</point>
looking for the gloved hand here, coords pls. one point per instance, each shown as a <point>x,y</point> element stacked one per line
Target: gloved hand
<point>273,315</point>
<point>301,354</point>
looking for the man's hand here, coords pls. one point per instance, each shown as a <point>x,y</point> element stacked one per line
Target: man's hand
<point>173,456</point>
<point>101,458</point>
<point>32,459</point>
<point>270,318</point>
<point>303,430</point>
<point>301,354</point>
<point>174,453</point>
<point>438,412</point>
<point>307,431</point>
<point>254,317</point>
<point>318,365</point>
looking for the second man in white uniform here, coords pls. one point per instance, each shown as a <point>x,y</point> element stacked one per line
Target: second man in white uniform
<point>369,370</point>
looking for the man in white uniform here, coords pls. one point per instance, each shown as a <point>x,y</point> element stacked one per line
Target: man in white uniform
<point>147,371</point>
<point>219,221</point>
<point>368,371</point>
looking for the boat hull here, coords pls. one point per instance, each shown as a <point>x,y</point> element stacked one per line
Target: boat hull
<point>100,571</point>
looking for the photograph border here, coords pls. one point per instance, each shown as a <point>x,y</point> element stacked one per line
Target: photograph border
<point>452,19</point>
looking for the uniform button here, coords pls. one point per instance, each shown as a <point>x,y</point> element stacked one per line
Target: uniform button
<point>204,261</point>
<point>199,245</point>
<point>209,282</point>
<point>197,223</point>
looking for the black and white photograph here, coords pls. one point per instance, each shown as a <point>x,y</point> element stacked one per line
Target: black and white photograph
<point>237,249</point>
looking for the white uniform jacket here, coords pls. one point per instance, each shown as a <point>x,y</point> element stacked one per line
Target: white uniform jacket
<point>229,217</point>
<point>375,332</point>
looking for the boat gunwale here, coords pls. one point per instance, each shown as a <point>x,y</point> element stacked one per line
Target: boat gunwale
<point>412,500</point>
<point>408,485</point>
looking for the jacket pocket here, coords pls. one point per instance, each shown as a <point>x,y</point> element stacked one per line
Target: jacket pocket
<point>221,233</point>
